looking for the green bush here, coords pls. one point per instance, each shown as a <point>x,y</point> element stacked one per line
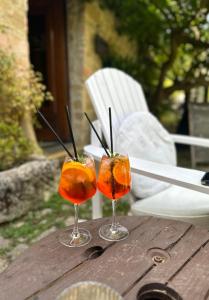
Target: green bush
<point>21,91</point>
<point>14,147</point>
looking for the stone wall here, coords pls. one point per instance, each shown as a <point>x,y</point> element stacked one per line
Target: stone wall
<point>25,187</point>
<point>13,29</point>
<point>14,39</point>
<point>75,39</point>
<point>84,22</point>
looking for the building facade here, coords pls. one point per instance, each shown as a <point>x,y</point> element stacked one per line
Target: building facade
<point>58,38</point>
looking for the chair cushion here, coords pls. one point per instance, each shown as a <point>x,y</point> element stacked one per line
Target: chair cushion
<point>174,202</point>
<point>141,135</point>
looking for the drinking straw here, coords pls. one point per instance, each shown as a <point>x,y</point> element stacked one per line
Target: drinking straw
<point>92,126</point>
<point>111,139</point>
<point>71,132</point>
<point>57,136</point>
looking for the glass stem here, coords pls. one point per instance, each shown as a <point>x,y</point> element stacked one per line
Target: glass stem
<point>114,224</point>
<point>75,232</point>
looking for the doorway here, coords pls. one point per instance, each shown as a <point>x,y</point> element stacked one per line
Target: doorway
<point>48,55</point>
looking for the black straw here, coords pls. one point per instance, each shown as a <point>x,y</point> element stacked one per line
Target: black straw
<point>92,126</point>
<point>111,139</point>
<point>71,132</point>
<point>58,138</point>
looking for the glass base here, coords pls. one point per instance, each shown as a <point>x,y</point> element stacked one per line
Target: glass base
<point>66,238</point>
<point>106,233</point>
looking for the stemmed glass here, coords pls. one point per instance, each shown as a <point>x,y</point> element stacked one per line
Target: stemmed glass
<point>114,182</point>
<point>77,185</point>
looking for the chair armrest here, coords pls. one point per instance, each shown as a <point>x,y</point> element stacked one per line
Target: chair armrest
<point>187,178</point>
<point>190,140</point>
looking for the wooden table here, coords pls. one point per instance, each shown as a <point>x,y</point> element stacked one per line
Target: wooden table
<point>158,255</point>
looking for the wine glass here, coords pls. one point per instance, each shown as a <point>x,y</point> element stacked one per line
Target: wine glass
<point>114,182</point>
<point>77,185</point>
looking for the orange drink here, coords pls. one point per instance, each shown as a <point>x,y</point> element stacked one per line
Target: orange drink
<point>114,182</point>
<point>77,185</point>
<point>114,176</point>
<point>78,181</point>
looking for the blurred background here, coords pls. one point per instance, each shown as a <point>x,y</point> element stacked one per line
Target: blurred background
<point>48,48</point>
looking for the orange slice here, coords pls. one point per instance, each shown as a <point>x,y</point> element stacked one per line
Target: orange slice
<point>121,172</point>
<point>74,169</point>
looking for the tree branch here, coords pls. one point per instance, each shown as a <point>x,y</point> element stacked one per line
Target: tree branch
<point>186,85</point>
<point>195,43</point>
<point>166,66</point>
<point>170,22</point>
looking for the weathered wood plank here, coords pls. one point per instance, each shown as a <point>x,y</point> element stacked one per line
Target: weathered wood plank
<point>193,279</point>
<point>47,268</point>
<point>48,260</point>
<point>123,262</point>
<point>179,255</point>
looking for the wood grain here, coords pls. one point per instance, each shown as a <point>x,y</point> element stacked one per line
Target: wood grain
<point>180,254</point>
<point>44,270</point>
<point>121,263</point>
<point>46,261</point>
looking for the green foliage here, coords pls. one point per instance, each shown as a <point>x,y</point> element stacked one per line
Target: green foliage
<point>21,90</point>
<point>173,43</point>
<point>14,147</point>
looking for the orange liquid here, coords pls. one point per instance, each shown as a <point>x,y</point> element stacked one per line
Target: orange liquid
<point>78,181</point>
<point>114,176</point>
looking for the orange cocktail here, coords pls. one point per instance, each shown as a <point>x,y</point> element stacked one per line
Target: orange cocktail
<point>114,182</point>
<point>78,181</point>
<point>77,185</point>
<point>114,176</point>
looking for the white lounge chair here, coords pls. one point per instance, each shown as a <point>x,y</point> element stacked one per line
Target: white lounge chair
<point>185,198</point>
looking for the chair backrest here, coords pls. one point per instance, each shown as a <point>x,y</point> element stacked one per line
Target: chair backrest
<point>113,88</point>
